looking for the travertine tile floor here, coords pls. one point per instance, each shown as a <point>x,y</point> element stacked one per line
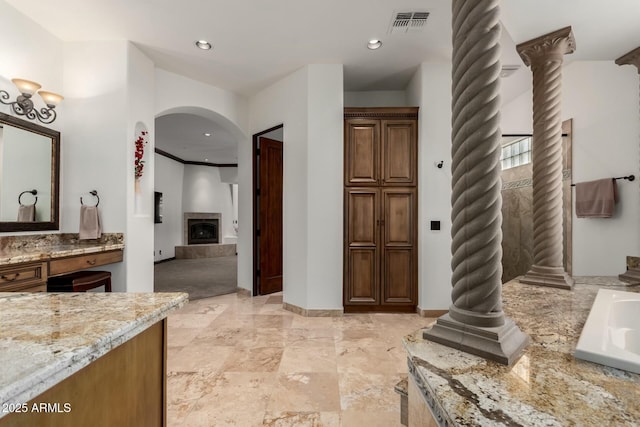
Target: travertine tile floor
<point>240,361</point>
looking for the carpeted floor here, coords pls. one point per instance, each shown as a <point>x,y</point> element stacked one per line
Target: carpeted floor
<point>200,278</point>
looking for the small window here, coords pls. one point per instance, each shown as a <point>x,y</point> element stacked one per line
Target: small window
<point>516,153</point>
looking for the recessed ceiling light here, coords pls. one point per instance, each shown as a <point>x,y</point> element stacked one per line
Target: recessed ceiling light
<point>206,134</point>
<point>374,44</point>
<point>206,160</point>
<point>203,44</point>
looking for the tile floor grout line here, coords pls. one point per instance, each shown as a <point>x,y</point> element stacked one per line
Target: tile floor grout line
<point>245,358</point>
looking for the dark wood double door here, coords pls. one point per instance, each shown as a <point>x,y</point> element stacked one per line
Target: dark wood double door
<point>380,210</point>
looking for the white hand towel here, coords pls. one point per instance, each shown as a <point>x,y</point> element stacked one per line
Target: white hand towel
<point>89,223</point>
<point>27,213</point>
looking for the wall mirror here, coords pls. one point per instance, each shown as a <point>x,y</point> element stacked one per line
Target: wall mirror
<point>29,176</point>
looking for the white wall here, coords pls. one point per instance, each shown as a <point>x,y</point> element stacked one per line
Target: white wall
<point>169,181</point>
<point>108,89</point>
<point>29,52</point>
<point>175,93</point>
<point>94,149</point>
<point>430,89</point>
<point>309,102</point>
<point>109,99</point>
<point>36,57</point>
<point>191,188</point>
<point>325,182</point>
<point>376,98</point>
<point>139,117</point>
<point>229,175</point>
<point>602,99</point>
<point>203,191</point>
<point>286,101</point>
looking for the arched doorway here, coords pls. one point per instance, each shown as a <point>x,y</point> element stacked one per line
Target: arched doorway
<point>196,186</point>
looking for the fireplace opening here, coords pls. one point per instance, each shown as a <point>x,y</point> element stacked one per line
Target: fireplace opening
<point>202,231</point>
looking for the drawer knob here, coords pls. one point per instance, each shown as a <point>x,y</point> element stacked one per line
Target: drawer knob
<point>91,261</point>
<point>15,276</point>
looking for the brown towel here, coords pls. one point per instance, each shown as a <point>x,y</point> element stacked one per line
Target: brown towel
<point>596,199</point>
<point>27,213</point>
<point>89,223</point>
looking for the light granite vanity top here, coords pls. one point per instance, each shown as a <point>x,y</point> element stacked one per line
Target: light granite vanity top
<point>43,247</point>
<point>46,337</point>
<point>547,386</point>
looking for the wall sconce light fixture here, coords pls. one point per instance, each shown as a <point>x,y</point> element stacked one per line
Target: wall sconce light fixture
<point>23,105</point>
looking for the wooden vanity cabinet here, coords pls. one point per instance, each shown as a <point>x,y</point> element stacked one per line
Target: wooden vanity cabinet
<point>32,276</point>
<point>381,209</point>
<point>82,262</point>
<point>24,277</point>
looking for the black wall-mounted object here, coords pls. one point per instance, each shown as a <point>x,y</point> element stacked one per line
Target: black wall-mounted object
<point>435,225</point>
<point>157,207</point>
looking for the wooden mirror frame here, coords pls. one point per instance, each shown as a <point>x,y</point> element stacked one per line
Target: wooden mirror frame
<point>54,223</point>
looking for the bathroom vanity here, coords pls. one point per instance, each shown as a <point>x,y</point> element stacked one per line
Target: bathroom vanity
<point>27,261</point>
<point>84,359</point>
<point>547,386</point>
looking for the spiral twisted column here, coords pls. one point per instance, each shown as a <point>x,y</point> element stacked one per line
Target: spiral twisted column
<point>632,275</point>
<point>475,322</point>
<point>545,55</point>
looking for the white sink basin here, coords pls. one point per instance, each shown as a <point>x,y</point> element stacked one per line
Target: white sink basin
<point>611,335</point>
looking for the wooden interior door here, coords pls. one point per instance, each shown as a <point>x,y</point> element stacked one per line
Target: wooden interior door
<point>269,233</point>
<point>380,209</point>
<point>362,254</point>
<point>399,262</point>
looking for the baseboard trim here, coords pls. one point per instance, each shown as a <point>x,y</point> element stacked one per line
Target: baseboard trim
<point>243,292</point>
<point>164,260</point>
<point>430,313</point>
<point>311,312</point>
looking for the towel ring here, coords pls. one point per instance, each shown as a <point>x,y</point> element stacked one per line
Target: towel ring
<point>94,193</point>
<point>34,192</point>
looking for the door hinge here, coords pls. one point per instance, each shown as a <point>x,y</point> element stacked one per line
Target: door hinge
<point>258,273</point>
<point>258,233</point>
<point>257,151</point>
<point>257,192</point>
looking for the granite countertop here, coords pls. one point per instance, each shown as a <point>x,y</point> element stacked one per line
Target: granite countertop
<point>47,337</point>
<point>547,386</point>
<point>43,247</point>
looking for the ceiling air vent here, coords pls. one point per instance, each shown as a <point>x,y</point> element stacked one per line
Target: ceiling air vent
<point>404,22</point>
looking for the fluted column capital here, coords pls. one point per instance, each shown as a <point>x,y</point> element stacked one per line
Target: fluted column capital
<point>630,58</point>
<point>549,46</point>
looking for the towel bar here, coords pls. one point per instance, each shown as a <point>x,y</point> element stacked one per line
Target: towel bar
<point>34,192</point>
<point>628,178</point>
<point>93,193</point>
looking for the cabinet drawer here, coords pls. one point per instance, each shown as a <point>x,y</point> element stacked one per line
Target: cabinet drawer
<point>71,264</point>
<point>23,277</point>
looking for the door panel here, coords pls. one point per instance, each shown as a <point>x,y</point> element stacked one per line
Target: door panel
<point>399,261</point>
<point>362,217</point>
<point>361,146</point>
<point>362,236</point>
<point>399,270</point>
<point>399,152</point>
<point>270,217</point>
<point>363,276</point>
<point>399,206</point>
